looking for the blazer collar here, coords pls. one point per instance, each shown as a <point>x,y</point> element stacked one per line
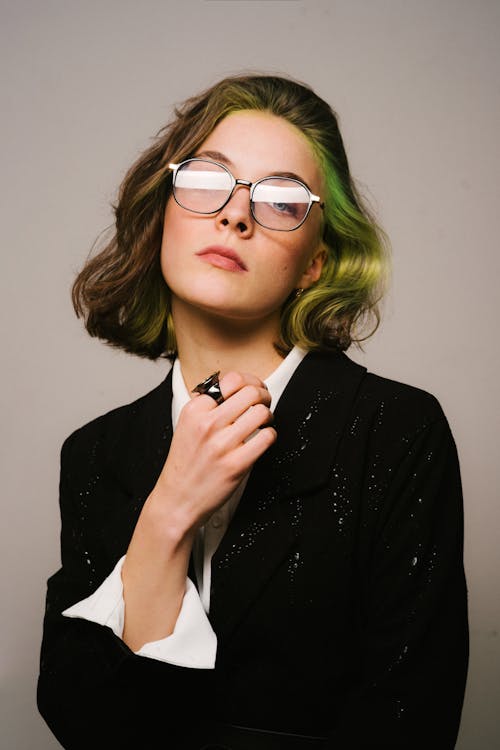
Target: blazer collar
<point>139,441</point>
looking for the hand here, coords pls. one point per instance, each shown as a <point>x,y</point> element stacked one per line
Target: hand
<point>208,455</point>
<point>207,460</point>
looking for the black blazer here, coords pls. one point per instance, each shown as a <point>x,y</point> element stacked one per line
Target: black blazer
<point>338,592</point>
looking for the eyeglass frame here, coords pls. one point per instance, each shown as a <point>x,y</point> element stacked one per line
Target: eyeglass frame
<point>246,183</point>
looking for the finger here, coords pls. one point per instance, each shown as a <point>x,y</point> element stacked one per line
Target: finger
<point>233,408</point>
<point>246,454</point>
<point>251,421</point>
<point>234,380</point>
<point>232,383</point>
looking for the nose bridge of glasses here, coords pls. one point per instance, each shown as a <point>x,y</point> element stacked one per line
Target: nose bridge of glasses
<point>245,183</point>
<point>238,184</point>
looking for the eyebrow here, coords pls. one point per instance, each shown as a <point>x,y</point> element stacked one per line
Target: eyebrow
<point>218,156</point>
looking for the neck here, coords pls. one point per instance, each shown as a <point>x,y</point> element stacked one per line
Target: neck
<point>206,344</point>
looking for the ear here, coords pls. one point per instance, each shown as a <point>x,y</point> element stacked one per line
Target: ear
<point>314,268</point>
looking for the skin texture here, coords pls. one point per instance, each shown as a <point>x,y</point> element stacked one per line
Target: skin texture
<point>224,320</point>
<point>229,320</point>
<point>256,145</point>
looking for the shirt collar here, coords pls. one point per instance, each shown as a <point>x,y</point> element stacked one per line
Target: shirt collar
<point>276,382</point>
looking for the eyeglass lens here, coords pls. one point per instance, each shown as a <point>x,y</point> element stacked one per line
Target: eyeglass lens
<point>277,203</point>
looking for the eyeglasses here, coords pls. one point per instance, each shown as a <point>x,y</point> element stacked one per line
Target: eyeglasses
<point>205,187</point>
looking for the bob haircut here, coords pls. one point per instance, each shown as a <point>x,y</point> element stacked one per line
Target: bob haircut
<point>121,292</point>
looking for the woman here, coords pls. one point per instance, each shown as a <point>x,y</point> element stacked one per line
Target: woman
<point>271,574</point>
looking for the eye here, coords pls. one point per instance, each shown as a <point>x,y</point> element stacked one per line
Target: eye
<point>280,203</point>
<point>285,208</point>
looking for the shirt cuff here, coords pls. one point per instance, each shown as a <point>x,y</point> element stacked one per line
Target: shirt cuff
<point>193,642</point>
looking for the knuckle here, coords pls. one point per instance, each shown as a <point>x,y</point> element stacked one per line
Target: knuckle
<point>231,467</point>
<point>262,412</point>
<point>188,408</point>
<point>199,423</point>
<point>269,435</point>
<point>253,393</point>
<point>236,379</point>
<point>203,429</point>
<point>191,409</point>
<point>208,427</point>
<point>216,445</point>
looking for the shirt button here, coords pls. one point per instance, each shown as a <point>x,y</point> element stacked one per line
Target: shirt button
<point>216,520</point>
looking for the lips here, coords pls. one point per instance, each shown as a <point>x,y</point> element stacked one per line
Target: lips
<point>223,257</point>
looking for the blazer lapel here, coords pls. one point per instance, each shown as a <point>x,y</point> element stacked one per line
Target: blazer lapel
<point>309,418</point>
<point>139,441</point>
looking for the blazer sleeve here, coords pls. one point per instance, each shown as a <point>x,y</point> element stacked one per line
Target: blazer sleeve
<point>414,631</point>
<point>93,691</point>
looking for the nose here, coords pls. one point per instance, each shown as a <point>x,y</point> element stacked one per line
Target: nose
<point>236,213</point>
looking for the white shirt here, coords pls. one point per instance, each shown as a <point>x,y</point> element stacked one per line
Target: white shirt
<point>193,642</point>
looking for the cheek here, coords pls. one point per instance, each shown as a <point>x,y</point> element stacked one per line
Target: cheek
<point>174,231</point>
<point>170,222</point>
<point>169,243</point>
<point>292,255</point>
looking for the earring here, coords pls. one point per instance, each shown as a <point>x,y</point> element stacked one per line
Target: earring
<point>298,292</point>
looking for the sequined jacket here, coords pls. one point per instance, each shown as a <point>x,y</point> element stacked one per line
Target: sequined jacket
<point>338,592</point>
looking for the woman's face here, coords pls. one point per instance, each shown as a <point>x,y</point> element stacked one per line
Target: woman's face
<point>252,145</point>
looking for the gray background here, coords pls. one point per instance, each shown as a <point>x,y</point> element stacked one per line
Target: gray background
<point>84,86</point>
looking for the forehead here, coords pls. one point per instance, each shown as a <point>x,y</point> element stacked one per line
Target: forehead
<point>259,143</point>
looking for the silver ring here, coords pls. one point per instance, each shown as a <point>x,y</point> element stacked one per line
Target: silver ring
<point>210,386</point>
